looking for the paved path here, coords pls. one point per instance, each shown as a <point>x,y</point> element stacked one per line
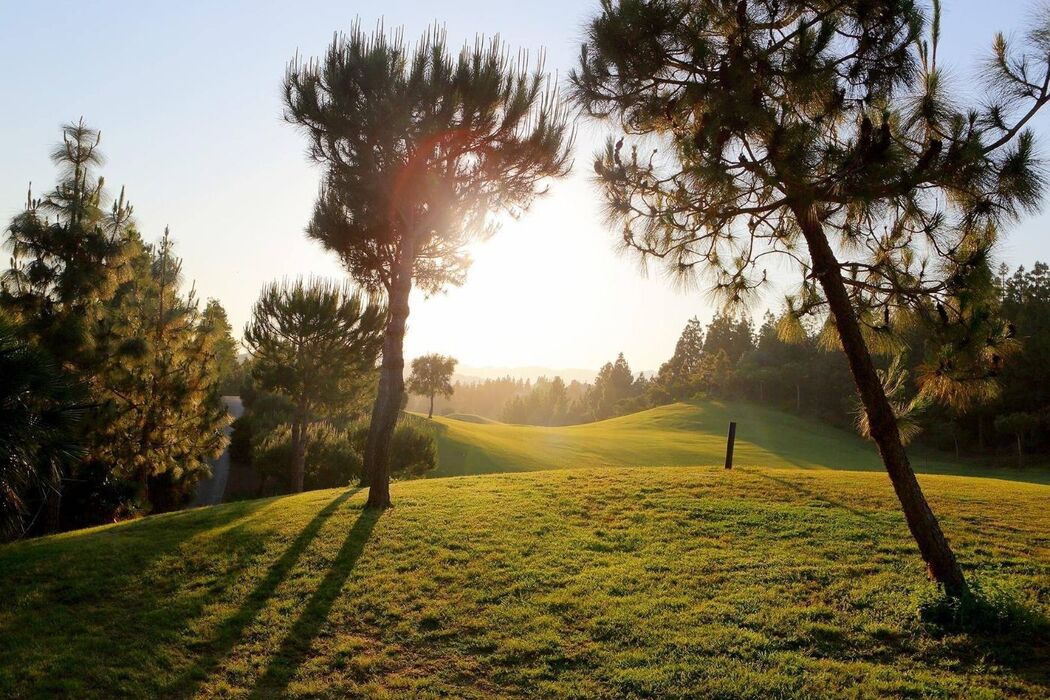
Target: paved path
<point>211,490</point>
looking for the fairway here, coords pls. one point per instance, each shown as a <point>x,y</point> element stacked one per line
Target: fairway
<point>678,434</point>
<point>677,582</point>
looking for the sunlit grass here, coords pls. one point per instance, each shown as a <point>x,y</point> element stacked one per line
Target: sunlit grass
<point>674,582</point>
<point>679,434</point>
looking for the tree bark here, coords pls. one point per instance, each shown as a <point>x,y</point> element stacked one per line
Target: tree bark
<point>391,382</point>
<point>933,545</point>
<point>431,414</point>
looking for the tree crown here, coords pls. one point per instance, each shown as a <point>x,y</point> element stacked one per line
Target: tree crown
<point>422,149</point>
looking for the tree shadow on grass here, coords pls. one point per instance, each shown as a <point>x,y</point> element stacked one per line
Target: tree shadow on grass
<point>815,496</point>
<point>296,646</point>
<point>232,630</point>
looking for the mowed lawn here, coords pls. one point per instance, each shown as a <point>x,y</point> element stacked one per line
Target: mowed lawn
<point>617,583</point>
<point>678,434</point>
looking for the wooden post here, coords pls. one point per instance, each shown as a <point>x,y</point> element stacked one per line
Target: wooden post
<point>729,445</point>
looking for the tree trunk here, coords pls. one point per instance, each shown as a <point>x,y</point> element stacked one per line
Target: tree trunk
<point>53,513</point>
<point>298,476</point>
<point>798,397</point>
<point>1020,452</point>
<point>933,546</point>
<point>391,382</point>
<point>431,414</point>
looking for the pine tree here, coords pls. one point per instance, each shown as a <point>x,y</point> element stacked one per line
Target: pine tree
<point>69,255</point>
<point>215,320</point>
<point>614,383</point>
<point>432,375</point>
<point>161,420</point>
<point>823,134</point>
<point>673,379</point>
<point>313,343</point>
<point>422,150</point>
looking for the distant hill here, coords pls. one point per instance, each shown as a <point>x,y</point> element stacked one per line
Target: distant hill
<point>679,434</point>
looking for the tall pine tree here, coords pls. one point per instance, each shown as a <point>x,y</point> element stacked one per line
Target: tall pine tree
<point>822,134</point>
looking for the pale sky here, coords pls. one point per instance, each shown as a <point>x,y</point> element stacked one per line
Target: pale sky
<point>187,97</point>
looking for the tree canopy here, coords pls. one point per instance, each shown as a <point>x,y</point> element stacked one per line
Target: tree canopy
<point>822,134</point>
<point>315,343</point>
<point>432,376</point>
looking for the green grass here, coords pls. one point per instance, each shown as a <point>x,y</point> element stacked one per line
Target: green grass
<point>680,434</point>
<point>671,582</point>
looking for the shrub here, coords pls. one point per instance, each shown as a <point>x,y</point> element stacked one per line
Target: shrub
<point>413,452</point>
<point>989,608</point>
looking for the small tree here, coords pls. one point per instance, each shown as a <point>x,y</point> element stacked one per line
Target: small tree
<point>315,343</point>
<point>821,133</point>
<point>432,375</point>
<point>422,149</point>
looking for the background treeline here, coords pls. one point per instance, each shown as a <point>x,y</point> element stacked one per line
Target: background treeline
<point>110,369</point>
<point>731,358</point>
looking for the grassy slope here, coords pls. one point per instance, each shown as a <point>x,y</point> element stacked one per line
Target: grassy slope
<point>602,582</point>
<point>680,434</point>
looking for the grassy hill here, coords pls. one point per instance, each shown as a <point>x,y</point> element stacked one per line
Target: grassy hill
<point>671,582</point>
<point>675,435</point>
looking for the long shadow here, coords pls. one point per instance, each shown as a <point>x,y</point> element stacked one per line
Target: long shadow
<point>296,645</point>
<point>815,496</point>
<point>232,629</point>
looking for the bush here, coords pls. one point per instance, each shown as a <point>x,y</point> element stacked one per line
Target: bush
<point>413,449</point>
<point>990,608</point>
<point>413,452</point>
<point>332,459</point>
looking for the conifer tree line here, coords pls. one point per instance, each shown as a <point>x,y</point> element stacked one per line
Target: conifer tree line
<point>111,366</point>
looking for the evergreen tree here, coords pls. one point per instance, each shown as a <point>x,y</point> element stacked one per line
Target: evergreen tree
<point>70,253</point>
<point>821,133</point>
<point>421,150</point>
<point>673,381</point>
<point>731,335</point>
<point>432,375</point>
<point>161,419</point>
<point>614,384</point>
<point>314,343</point>
<point>228,365</point>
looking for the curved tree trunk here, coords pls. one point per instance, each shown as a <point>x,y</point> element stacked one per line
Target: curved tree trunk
<point>391,384</point>
<point>933,546</point>
<point>431,414</point>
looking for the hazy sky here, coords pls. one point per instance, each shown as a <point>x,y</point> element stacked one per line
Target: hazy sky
<point>187,97</point>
